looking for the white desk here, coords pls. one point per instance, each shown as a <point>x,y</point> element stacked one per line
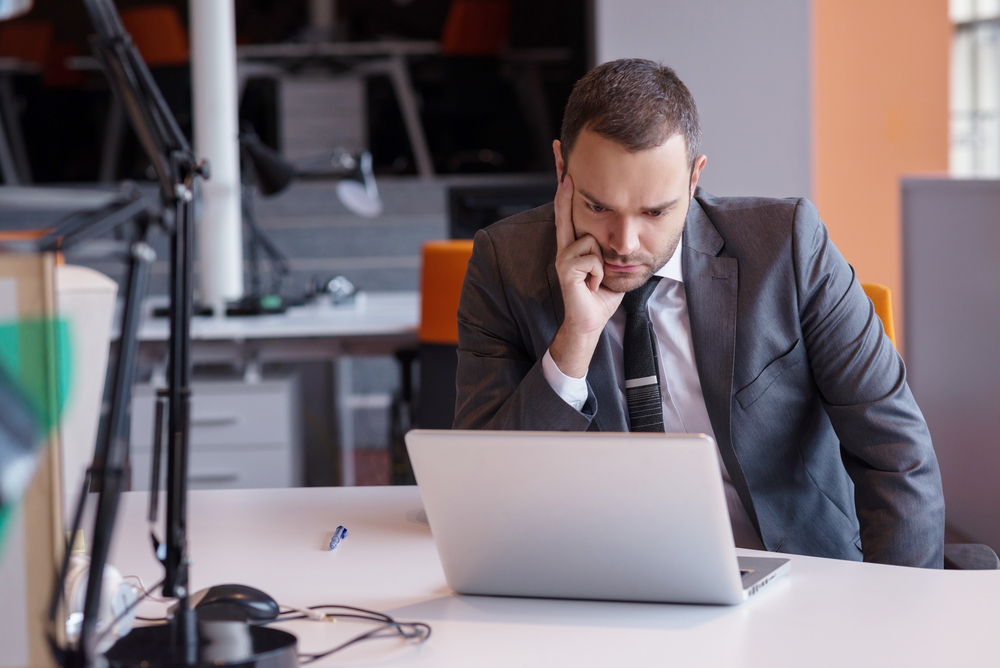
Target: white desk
<point>378,323</point>
<point>374,314</point>
<point>825,613</point>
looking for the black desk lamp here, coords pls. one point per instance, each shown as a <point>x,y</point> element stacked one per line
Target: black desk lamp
<point>177,643</point>
<point>264,169</point>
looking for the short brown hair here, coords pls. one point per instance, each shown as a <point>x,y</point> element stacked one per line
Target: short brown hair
<point>636,103</point>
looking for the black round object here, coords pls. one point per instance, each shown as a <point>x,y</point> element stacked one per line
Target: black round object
<point>223,643</point>
<point>236,602</point>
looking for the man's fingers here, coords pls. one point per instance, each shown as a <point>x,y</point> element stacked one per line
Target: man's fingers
<point>565,232</point>
<point>596,276</point>
<point>589,246</point>
<point>585,245</point>
<point>582,262</point>
<point>584,269</point>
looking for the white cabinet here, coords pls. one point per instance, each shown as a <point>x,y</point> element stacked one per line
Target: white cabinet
<point>243,435</point>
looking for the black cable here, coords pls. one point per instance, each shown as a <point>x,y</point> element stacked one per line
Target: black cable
<point>387,628</point>
<point>420,632</point>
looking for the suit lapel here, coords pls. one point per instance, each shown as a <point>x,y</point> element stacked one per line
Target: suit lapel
<point>711,283</point>
<point>601,375</point>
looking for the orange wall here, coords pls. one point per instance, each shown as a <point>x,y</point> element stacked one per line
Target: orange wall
<point>880,110</point>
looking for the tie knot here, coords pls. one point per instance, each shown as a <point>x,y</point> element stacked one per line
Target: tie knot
<point>635,301</point>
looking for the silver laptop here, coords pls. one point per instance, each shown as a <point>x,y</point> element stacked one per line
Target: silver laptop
<point>612,516</point>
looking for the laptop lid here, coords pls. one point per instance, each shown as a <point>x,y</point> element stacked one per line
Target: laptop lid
<point>615,516</point>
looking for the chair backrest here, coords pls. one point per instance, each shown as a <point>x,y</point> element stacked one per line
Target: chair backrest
<point>476,27</point>
<point>158,34</point>
<point>441,277</point>
<point>881,297</point>
<point>26,40</point>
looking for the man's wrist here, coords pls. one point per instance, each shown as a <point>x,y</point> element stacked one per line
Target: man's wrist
<point>572,351</point>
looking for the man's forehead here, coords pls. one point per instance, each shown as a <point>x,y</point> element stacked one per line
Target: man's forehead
<point>609,175</point>
<point>588,136</point>
<point>596,155</point>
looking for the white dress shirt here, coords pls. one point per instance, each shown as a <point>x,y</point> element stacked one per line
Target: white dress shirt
<point>684,408</point>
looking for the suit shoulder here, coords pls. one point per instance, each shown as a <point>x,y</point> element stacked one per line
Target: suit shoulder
<point>527,233</point>
<point>511,259</point>
<point>749,206</point>
<point>533,221</point>
<point>764,216</point>
<point>762,229</point>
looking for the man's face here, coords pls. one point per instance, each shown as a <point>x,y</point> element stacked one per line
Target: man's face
<point>633,203</point>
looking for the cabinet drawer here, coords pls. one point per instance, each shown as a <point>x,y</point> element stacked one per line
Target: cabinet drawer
<point>223,414</point>
<point>233,469</point>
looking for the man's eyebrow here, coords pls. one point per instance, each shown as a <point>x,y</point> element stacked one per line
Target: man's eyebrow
<point>593,200</point>
<point>666,205</point>
<point>659,207</point>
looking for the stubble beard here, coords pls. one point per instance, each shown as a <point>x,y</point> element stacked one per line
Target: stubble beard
<point>651,265</point>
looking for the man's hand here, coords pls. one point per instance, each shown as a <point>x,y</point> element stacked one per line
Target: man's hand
<point>588,304</point>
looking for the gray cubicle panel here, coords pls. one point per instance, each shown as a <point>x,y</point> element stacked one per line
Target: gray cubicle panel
<point>951,241</point>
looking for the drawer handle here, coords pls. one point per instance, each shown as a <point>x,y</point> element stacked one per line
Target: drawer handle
<point>206,478</point>
<point>215,420</point>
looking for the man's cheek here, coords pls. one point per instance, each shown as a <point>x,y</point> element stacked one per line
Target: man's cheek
<point>580,226</point>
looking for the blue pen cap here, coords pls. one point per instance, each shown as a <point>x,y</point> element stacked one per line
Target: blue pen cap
<point>338,535</point>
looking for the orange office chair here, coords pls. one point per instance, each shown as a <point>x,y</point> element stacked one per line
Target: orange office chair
<point>881,297</point>
<point>475,28</point>
<point>28,40</point>
<point>162,41</point>
<point>441,277</point>
<point>158,34</point>
<point>957,556</point>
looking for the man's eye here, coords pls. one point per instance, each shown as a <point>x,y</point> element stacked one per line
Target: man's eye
<point>656,213</point>
<point>596,208</point>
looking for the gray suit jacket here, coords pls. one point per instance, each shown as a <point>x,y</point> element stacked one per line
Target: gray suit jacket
<point>807,397</point>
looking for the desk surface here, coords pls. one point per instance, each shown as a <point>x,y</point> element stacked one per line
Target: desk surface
<point>825,613</point>
<point>372,314</point>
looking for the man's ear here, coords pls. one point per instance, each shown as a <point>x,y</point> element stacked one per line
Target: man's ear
<point>699,164</point>
<point>557,152</point>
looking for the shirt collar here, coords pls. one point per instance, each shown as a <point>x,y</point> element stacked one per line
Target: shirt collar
<point>672,269</point>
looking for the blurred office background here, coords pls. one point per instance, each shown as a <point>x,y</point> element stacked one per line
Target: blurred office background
<point>835,100</point>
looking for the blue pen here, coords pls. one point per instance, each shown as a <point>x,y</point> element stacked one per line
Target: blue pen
<point>338,535</point>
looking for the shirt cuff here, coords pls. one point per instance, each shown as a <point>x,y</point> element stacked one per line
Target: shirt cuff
<point>571,390</point>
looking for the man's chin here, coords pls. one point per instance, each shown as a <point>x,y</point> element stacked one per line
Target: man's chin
<point>625,283</point>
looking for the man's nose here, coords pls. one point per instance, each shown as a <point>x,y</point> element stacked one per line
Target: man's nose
<point>624,238</point>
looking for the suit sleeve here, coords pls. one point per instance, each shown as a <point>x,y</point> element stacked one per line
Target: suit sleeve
<point>500,383</point>
<point>885,444</point>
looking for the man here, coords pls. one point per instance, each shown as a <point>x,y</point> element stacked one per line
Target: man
<point>637,300</point>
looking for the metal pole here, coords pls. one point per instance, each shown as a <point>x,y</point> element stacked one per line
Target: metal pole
<point>178,419</point>
<point>116,448</point>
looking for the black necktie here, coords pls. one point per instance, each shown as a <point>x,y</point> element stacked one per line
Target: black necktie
<point>642,374</point>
